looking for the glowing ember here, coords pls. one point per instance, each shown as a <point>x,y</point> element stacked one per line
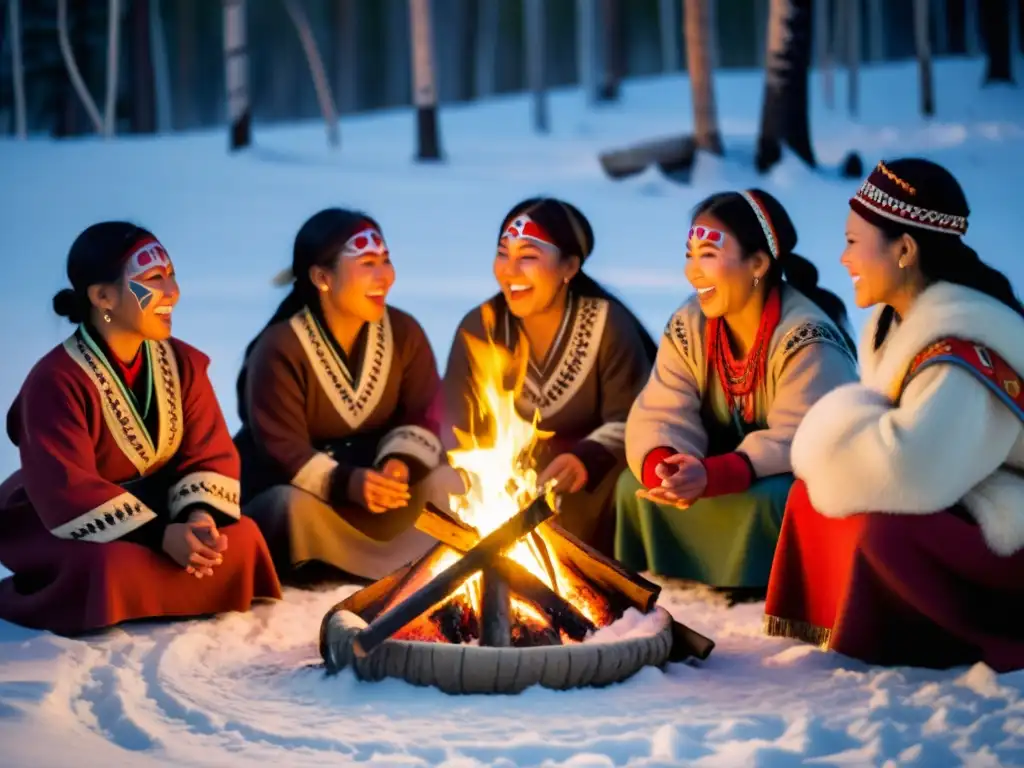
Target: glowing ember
<point>497,458</point>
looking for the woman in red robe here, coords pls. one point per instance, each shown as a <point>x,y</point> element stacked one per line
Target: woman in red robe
<point>126,503</point>
<point>903,541</point>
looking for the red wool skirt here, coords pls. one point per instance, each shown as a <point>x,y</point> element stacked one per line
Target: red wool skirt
<point>920,590</point>
<point>73,587</point>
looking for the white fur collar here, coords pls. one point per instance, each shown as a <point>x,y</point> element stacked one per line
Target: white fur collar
<point>943,309</point>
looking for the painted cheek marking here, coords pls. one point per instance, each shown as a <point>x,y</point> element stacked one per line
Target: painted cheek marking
<point>142,294</point>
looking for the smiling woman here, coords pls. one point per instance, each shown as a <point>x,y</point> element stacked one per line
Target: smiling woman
<point>339,449</point>
<point>586,358</point>
<point>128,487</point>
<point>739,364</point>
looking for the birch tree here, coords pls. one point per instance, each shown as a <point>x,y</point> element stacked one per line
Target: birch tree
<point>784,110</point>
<point>17,69</point>
<point>696,28</point>
<point>424,81</point>
<point>316,68</point>
<point>236,63</point>
<point>536,62</point>
<point>72,67</point>
<point>922,43</point>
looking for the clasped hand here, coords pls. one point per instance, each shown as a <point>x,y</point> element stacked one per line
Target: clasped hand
<point>196,544</point>
<point>683,481</point>
<point>381,491</point>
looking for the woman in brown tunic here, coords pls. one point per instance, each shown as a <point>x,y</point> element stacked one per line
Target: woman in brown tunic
<point>126,503</point>
<point>339,448</point>
<point>588,356</point>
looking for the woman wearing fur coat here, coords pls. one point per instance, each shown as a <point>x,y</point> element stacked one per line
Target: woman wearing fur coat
<point>903,540</point>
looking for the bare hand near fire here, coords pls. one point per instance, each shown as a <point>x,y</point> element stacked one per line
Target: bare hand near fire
<point>567,471</point>
<point>683,480</point>
<point>377,492</point>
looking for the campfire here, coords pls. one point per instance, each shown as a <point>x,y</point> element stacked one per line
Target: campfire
<point>503,574</point>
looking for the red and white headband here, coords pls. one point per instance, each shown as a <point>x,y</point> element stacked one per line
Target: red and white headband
<point>367,240</point>
<point>764,221</point>
<point>522,227</point>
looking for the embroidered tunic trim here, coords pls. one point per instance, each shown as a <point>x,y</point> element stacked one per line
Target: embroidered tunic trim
<point>353,400</point>
<point>551,392</point>
<point>108,522</point>
<point>420,443</point>
<point>204,487</point>
<point>125,425</point>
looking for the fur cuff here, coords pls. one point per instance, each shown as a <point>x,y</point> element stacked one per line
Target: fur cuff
<point>997,503</point>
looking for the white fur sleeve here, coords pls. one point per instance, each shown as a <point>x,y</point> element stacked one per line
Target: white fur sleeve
<point>858,452</point>
<point>667,410</point>
<point>808,375</point>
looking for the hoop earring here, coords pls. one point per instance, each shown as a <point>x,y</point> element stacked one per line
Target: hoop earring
<point>106,316</point>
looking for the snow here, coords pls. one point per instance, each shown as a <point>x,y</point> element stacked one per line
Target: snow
<point>247,688</point>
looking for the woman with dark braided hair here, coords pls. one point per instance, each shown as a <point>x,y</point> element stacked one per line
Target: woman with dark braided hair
<point>903,541</point>
<point>339,448</point>
<point>586,358</point>
<point>740,363</point>
<point>126,503</point>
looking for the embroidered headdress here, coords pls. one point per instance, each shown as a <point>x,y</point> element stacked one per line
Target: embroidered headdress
<point>885,194</point>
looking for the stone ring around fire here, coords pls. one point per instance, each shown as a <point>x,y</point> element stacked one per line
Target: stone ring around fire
<point>480,669</point>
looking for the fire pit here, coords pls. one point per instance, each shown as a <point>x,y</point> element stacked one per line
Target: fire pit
<point>507,598</point>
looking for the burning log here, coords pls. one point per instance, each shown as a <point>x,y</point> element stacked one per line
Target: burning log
<point>460,537</point>
<point>486,552</point>
<point>495,610</point>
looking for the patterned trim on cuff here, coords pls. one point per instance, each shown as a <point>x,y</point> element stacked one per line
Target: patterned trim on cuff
<point>108,522</point>
<point>211,488</point>
<point>315,476</point>
<point>417,442</point>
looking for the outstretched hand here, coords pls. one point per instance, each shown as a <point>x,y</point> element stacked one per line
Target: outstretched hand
<point>378,492</point>
<point>567,471</point>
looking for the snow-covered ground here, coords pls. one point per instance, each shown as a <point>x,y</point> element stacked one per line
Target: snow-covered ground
<point>244,689</point>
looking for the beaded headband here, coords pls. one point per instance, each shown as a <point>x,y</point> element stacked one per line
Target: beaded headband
<point>885,194</point>
<point>765,222</point>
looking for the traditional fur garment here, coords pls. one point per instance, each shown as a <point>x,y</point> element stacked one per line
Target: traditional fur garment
<point>947,439</point>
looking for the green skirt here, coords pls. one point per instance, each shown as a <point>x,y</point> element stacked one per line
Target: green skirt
<point>724,541</point>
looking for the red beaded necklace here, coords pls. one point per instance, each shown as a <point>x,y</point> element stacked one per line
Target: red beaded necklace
<point>739,378</point>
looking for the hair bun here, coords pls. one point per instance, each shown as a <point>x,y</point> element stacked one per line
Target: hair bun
<point>65,303</point>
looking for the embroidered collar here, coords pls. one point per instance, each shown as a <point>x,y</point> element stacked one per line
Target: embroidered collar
<point>120,410</point>
<point>354,399</point>
<point>573,354</point>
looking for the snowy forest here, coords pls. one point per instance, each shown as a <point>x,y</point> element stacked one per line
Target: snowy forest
<point>170,54</point>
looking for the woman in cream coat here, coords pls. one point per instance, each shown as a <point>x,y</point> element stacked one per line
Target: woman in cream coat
<point>903,540</point>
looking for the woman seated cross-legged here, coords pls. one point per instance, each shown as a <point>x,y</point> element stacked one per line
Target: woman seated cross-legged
<point>339,448</point>
<point>739,364</point>
<point>126,502</point>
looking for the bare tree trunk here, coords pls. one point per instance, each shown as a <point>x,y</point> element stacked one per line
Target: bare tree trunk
<point>823,50</point>
<point>113,59</point>
<point>612,50</point>
<point>316,69</point>
<point>185,32</point>
<point>972,35</point>
<point>143,92</point>
<point>17,69</point>
<point>698,64</point>
<point>668,29</point>
<point>536,62</point>
<point>760,29</point>
<point>72,67</point>
<point>995,30</point>
<point>922,41</point>
<point>346,54</point>
<point>853,55</point>
<point>161,71</point>
<point>236,62</point>
<point>586,44</point>
<point>876,30</point>
<point>784,111</point>
<point>424,81</point>
<point>486,47</point>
